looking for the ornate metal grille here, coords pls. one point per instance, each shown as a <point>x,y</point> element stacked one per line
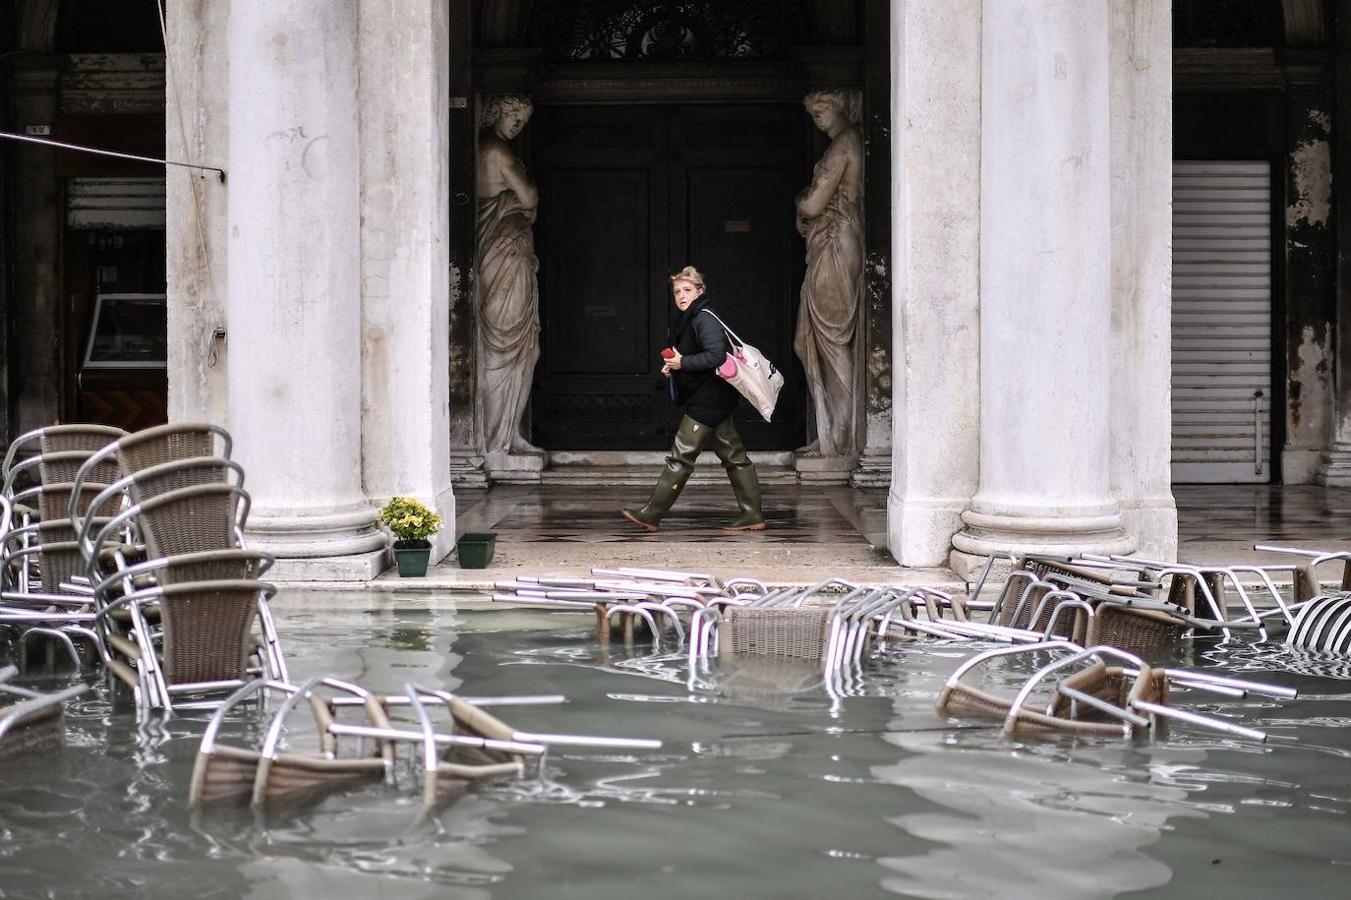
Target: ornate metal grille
<point>668,29</point>
<point>1227,23</point>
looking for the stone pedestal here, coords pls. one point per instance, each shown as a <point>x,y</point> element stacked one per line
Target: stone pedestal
<point>515,468</point>
<point>294,298</point>
<point>1335,470</point>
<point>1045,284</point>
<point>824,469</point>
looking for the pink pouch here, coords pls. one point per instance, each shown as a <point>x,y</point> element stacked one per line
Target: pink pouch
<point>728,368</point>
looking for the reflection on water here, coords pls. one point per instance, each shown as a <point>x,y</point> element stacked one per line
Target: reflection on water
<point>1030,822</point>
<point>768,785</point>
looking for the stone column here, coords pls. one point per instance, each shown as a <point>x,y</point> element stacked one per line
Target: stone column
<point>197,118</point>
<point>1142,227</point>
<point>1336,468</point>
<point>405,230</point>
<point>294,297</point>
<point>935,274</point>
<point>1045,284</point>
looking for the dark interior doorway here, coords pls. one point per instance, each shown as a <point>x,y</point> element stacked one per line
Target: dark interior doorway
<point>629,194</point>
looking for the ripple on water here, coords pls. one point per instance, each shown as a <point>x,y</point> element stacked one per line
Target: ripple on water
<point>762,769</point>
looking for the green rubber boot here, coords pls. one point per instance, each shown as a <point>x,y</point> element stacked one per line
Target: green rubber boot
<point>731,450</point>
<point>690,440</point>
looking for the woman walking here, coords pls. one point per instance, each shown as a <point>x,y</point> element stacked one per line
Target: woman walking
<point>698,345</point>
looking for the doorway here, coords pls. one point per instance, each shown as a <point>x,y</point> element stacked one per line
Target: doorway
<point>629,194</point>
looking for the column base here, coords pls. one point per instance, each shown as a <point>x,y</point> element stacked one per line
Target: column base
<point>466,470</point>
<point>1152,521</point>
<point>1334,469</point>
<point>920,530</point>
<point>824,469</point>
<point>874,470</point>
<point>989,533</point>
<point>342,545</point>
<point>360,567</point>
<point>515,468</point>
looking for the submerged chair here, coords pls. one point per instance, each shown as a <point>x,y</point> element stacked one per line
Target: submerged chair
<point>269,777</point>
<point>31,722</point>
<point>1100,691</point>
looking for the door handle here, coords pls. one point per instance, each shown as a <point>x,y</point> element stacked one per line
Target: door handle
<point>1257,460</point>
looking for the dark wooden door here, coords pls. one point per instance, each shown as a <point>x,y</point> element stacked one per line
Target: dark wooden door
<point>629,194</point>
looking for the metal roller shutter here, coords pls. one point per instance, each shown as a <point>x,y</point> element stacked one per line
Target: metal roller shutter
<point>115,203</point>
<point>1221,321</point>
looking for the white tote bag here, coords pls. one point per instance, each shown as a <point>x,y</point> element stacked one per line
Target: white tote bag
<point>747,370</point>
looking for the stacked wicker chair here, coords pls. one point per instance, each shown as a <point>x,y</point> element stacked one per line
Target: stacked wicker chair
<point>177,594</point>
<point>45,596</point>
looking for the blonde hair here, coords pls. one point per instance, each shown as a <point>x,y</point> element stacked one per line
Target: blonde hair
<point>690,274</point>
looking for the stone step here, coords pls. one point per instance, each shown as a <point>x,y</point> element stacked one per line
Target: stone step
<point>707,472</point>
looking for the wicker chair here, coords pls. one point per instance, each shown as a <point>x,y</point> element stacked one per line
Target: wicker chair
<point>445,776</point>
<point>1089,607</point>
<point>203,645</point>
<point>789,632</point>
<point>33,723</point>
<point>187,520</point>
<point>191,568</point>
<point>1102,691</point>
<point>270,778</point>
<point>59,439</point>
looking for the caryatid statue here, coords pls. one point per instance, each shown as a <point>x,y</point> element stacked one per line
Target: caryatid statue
<point>830,217</point>
<point>506,288</point>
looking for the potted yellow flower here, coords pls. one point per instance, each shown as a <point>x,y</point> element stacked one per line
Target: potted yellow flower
<point>412,523</point>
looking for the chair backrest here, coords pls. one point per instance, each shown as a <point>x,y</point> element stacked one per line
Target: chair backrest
<point>192,519</point>
<point>206,629</point>
<point>54,501</point>
<point>188,520</point>
<point>208,565</point>
<point>61,467</point>
<point>163,478</point>
<point>794,632</point>
<point>170,443</point>
<point>59,562</point>
<point>59,438</point>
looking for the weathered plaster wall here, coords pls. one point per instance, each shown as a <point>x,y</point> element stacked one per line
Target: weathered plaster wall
<point>197,123</point>
<point>1308,285</point>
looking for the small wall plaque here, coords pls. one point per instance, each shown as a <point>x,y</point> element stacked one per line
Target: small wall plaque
<point>736,226</point>
<point>38,130</point>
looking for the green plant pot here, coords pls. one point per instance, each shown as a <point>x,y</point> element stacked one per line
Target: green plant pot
<point>475,549</point>
<point>412,561</point>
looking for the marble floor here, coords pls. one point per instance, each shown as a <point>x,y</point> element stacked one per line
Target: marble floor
<point>567,528</point>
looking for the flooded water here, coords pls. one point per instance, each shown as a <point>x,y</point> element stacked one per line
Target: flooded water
<point>759,791</point>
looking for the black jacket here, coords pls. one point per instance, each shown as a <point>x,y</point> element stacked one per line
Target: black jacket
<point>703,346</point>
